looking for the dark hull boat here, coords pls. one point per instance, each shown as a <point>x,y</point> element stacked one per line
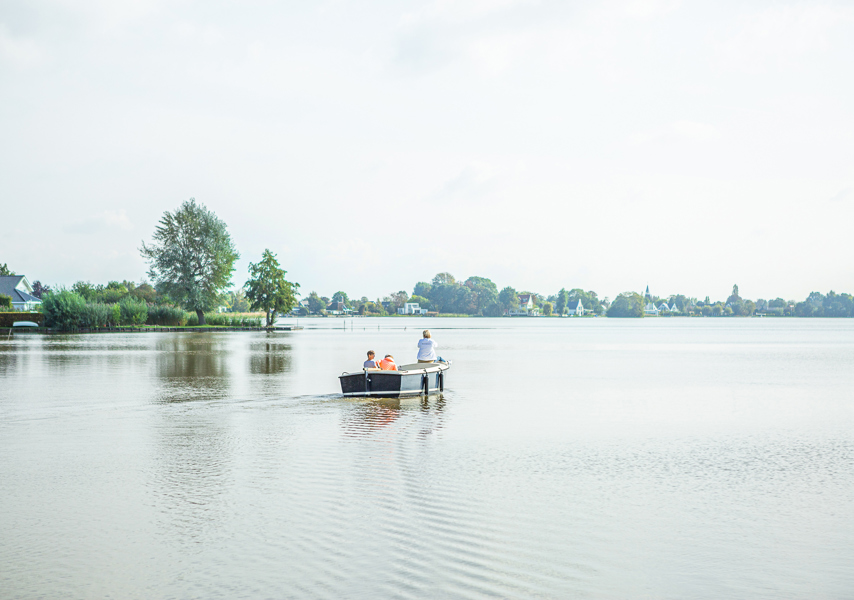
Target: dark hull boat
<point>408,380</point>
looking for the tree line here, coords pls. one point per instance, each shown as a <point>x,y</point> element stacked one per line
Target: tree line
<point>191,261</point>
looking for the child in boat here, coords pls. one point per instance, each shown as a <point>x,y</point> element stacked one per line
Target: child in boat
<point>387,364</point>
<point>427,348</point>
<point>371,363</point>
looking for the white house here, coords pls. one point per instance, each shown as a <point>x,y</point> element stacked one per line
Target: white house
<point>412,308</point>
<point>649,310</point>
<point>674,308</point>
<point>663,307</point>
<point>21,292</point>
<point>575,308</point>
<point>526,307</point>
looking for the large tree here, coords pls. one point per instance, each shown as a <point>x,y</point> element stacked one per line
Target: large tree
<point>4,270</point>
<point>508,299</point>
<point>627,305</point>
<point>192,257</point>
<point>267,288</point>
<point>562,299</point>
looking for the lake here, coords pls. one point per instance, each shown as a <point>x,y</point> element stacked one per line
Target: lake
<point>573,458</point>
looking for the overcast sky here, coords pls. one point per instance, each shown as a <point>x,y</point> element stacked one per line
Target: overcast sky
<point>687,146</point>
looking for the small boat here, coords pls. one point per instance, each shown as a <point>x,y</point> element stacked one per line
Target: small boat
<point>408,380</point>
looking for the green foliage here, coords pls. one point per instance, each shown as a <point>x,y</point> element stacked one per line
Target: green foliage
<point>97,315</point>
<point>236,301</point>
<point>508,299</point>
<point>562,300</point>
<point>192,257</point>
<point>267,288</point>
<point>5,301</point>
<point>627,305</point>
<point>63,310</point>
<point>547,309</point>
<point>589,300</point>
<point>422,288</point>
<point>397,299</point>
<point>133,311</point>
<point>342,297</point>
<point>224,320</point>
<point>167,316</point>
<point>316,306</point>
<point>421,301</point>
<point>444,279</point>
<point>145,292</point>
<point>4,270</point>
<point>485,294</point>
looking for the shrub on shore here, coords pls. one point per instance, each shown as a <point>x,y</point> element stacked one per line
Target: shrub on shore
<point>224,320</point>
<point>96,315</point>
<point>63,310</point>
<point>167,316</point>
<point>132,311</point>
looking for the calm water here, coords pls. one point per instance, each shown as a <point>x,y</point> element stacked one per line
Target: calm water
<point>659,458</point>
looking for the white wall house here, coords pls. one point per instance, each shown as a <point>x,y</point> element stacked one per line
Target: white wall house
<point>575,308</point>
<point>663,307</point>
<point>412,308</point>
<point>649,310</point>
<point>526,307</point>
<point>19,289</point>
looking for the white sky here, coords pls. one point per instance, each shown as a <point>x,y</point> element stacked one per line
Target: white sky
<point>373,144</point>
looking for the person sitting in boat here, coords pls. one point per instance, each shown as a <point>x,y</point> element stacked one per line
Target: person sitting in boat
<point>372,362</point>
<point>387,364</point>
<point>427,348</point>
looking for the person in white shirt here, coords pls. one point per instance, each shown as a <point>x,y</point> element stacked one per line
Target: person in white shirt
<point>427,348</point>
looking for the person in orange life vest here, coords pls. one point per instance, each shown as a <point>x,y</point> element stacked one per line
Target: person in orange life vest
<point>387,364</point>
<point>371,363</point>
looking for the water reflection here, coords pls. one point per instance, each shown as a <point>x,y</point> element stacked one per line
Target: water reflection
<point>381,415</point>
<point>192,367</point>
<point>269,357</point>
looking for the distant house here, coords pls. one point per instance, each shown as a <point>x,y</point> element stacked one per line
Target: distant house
<point>412,308</point>
<point>526,307</point>
<point>664,307</point>
<point>674,308</point>
<point>300,308</point>
<point>338,308</point>
<point>21,292</point>
<point>649,310</point>
<point>575,308</point>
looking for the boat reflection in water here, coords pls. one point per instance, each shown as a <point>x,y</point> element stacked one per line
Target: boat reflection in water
<point>408,380</point>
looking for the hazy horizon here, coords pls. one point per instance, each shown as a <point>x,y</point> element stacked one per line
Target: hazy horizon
<point>371,146</point>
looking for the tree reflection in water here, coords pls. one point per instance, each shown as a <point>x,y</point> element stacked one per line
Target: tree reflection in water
<point>192,367</point>
<point>269,357</point>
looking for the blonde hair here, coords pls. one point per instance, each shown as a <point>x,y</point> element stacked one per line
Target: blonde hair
<point>426,333</point>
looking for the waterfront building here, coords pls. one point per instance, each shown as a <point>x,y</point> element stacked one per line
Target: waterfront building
<point>526,307</point>
<point>412,308</point>
<point>19,289</point>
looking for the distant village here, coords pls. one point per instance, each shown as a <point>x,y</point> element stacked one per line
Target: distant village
<point>445,295</point>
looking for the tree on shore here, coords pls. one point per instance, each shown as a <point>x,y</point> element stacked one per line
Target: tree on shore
<point>4,271</point>
<point>627,305</point>
<point>508,299</point>
<point>267,288</point>
<point>192,257</point>
<point>39,289</point>
<point>562,299</point>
